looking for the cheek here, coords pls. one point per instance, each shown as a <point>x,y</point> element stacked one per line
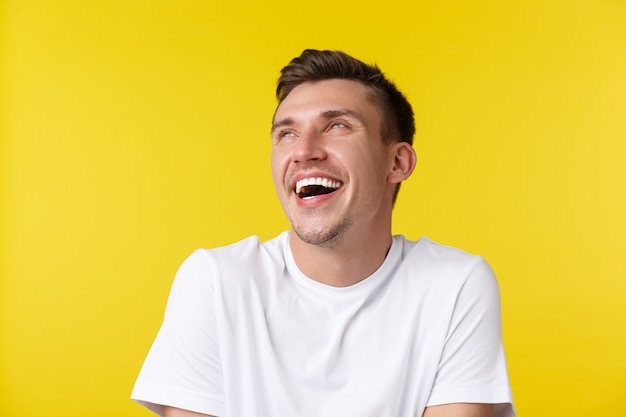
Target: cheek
<point>278,168</point>
<point>372,167</point>
<point>365,160</point>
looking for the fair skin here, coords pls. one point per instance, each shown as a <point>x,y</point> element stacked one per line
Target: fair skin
<point>445,410</point>
<point>177,412</point>
<point>331,130</point>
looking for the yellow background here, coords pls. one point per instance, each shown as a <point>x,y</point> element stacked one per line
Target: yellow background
<point>136,131</point>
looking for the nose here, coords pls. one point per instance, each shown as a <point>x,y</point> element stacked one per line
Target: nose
<point>309,147</point>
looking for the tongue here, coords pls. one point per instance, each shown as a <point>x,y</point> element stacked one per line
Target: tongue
<point>313,190</point>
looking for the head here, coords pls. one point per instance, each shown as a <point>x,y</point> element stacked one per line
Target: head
<point>398,124</point>
<point>341,146</point>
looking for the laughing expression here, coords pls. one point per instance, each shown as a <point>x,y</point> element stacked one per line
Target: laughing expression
<point>329,162</point>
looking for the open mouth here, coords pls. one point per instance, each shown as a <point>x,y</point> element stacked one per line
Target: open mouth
<point>311,187</point>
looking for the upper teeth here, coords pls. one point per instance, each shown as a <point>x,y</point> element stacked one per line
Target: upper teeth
<point>324,182</point>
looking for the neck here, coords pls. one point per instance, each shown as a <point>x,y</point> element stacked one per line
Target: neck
<point>350,261</point>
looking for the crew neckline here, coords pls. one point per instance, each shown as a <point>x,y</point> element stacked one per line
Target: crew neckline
<point>365,285</point>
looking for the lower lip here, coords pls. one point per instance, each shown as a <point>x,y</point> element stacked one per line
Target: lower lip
<point>317,200</point>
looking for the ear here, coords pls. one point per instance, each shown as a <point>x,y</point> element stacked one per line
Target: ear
<point>404,161</point>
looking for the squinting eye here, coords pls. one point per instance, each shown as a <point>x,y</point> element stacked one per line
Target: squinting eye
<point>277,137</point>
<point>337,125</point>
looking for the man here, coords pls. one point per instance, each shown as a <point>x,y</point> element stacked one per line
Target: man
<point>336,317</point>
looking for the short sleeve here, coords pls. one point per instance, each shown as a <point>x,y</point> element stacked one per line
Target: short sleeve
<point>473,366</point>
<point>183,367</point>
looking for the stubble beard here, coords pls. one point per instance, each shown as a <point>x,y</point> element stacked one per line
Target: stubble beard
<point>327,238</point>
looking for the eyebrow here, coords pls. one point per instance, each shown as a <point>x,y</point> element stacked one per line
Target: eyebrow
<point>342,112</point>
<point>284,122</point>
<point>328,114</point>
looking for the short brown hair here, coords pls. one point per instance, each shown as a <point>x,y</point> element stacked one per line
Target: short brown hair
<point>398,123</point>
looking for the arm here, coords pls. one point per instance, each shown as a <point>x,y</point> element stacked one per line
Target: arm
<point>472,369</point>
<point>177,412</point>
<point>459,410</point>
<point>183,366</point>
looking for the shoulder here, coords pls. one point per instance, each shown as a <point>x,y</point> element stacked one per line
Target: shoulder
<point>429,253</point>
<point>239,263</point>
<point>247,252</point>
<point>443,264</point>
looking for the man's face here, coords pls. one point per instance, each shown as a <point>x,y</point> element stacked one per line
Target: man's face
<point>329,163</point>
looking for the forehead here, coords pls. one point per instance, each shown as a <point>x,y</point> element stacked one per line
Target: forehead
<point>316,97</point>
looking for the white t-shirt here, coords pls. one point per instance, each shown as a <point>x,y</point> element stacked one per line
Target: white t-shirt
<point>246,334</point>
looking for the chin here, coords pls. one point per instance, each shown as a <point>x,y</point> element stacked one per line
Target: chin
<point>329,238</point>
